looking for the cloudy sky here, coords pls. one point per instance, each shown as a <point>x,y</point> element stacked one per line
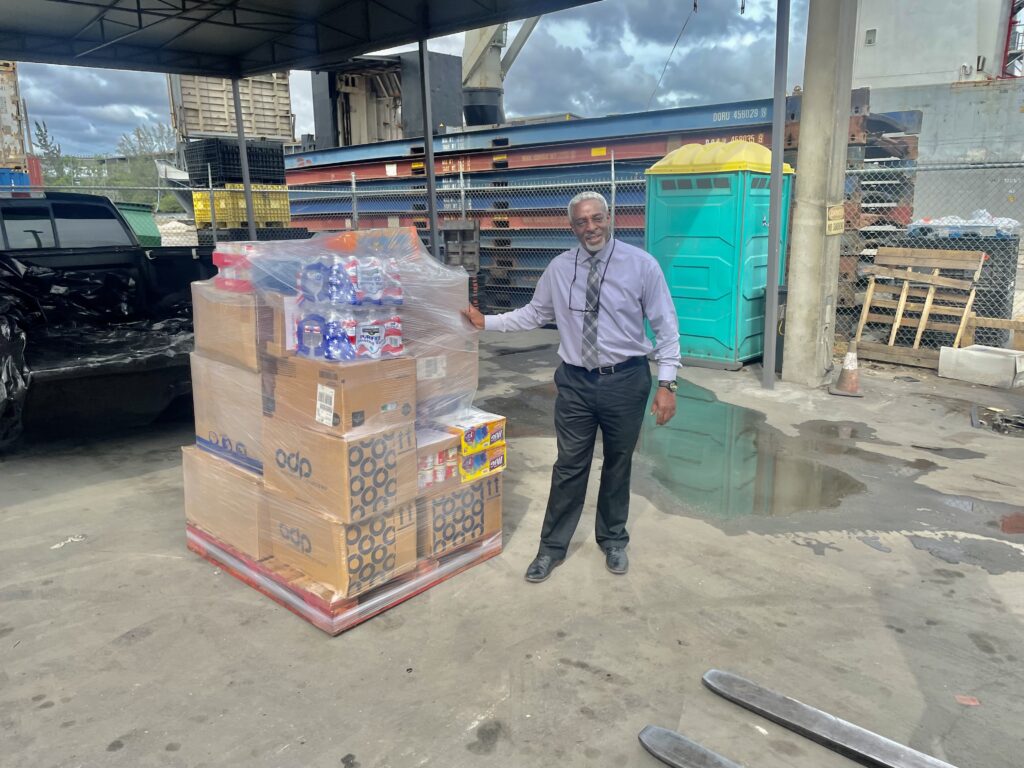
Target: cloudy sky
<point>594,60</point>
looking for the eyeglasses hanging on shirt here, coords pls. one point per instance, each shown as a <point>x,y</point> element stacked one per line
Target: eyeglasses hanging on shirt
<point>597,306</point>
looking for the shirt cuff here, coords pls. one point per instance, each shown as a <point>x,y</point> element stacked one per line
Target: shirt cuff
<point>493,323</point>
<point>666,372</point>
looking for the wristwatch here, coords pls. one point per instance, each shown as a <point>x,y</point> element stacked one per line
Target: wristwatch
<point>671,386</point>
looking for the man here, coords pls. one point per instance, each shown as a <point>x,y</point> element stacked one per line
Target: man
<point>599,294</point>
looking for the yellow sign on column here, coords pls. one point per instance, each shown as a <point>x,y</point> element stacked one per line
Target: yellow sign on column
<point>835,220</point>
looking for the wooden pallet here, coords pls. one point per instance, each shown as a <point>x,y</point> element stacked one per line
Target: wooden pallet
<point>1016,325</point>
<point>318,603</point>
<point>916,294</point>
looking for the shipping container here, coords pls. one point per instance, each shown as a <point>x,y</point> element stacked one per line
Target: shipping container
<point>12,177</point>
<point>12,122</point>
<point>204,107</point>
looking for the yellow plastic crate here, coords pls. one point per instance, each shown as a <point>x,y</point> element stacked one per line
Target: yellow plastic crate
<point>270,205</point>
<point>269,201</point>
<point>226,203</point>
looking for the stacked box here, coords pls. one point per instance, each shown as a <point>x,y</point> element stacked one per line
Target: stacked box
<point>452,518</point>
<point>225,501</point>
<point>481,442</point>
<point>336,448</point>
<point>437,460</point>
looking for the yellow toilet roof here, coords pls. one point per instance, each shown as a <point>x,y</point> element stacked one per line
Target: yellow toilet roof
<point>718,157</point>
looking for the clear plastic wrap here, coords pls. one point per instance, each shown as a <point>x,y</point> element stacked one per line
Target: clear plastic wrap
<point>63,324</point>
<point>337,375</point>
<point>13,377</point>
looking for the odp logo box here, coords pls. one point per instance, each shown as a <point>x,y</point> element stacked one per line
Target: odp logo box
<point>228,411</point>
<point>451,519</point>
<point>350,558</point>
<point>351,478</point>
<point>225,501</point>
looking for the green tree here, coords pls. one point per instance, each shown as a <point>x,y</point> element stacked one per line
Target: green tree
<point>58,170</point>
<point>135,167</point>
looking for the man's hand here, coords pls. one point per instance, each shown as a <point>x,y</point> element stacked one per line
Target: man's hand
<point>474,316</point>
<point>664,407</point>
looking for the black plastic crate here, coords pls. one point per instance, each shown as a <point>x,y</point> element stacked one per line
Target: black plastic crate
<point>236,234</point>
<point>266,162</point>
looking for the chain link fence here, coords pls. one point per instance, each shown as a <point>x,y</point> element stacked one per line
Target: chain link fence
<point>512,225</point>
<point>927,211</point>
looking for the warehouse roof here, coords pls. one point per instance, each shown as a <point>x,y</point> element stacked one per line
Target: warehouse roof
<point>237,38</point>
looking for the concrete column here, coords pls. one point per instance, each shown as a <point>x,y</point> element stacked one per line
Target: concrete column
<point>821,174</point>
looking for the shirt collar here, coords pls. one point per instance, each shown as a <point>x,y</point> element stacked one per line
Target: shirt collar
<point>601,255</point>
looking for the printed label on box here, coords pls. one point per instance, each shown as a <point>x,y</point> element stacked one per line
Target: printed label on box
<point>290,305</point>
<point>428,368</point>
<point>324,405</point>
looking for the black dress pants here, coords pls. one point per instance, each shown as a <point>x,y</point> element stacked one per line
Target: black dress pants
<point>586,400</point>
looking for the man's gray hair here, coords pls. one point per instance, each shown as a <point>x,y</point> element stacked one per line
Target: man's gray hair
<point>582,196</point>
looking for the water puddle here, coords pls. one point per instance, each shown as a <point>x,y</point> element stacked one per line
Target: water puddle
<point>530,412</point>
<point>725,461</point>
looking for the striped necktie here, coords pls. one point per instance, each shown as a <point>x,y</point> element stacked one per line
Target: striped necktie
<point>590,360</point>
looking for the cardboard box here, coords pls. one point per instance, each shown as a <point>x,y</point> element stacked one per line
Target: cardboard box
<point>480,464</point>
<point>225,325</point>
<point>351,478</point>
<point>226,502</point>
<point>447,373</point>
<point>278,317</point>
<point>437,460</point>
<point>444,344</point>
<point>451,519</point>
<point>341,399</point>
<point>351,558</point>
<point>228,409</point>
<point>478,430</point>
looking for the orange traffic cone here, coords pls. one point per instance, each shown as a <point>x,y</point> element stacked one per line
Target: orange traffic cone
<point>848,382</point>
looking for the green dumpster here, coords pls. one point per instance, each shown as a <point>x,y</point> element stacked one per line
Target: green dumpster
<point>140,218</point>
<point>707,224</point>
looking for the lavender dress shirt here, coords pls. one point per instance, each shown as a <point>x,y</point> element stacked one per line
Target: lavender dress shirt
<point>633,288</point>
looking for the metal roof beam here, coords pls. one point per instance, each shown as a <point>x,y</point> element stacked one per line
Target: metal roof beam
<point>99,15</point>
<point>162,19</point>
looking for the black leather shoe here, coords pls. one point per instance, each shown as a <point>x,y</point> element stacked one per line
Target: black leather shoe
<point>616,561</point>
<point>541,568</point>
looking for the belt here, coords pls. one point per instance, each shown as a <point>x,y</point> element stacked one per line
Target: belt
<point>604,370</point>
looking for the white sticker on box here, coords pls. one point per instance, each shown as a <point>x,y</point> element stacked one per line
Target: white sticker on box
<point>390,169</point>
<point>428,368</point>
<point>325,405</point>
<point>290,305</point>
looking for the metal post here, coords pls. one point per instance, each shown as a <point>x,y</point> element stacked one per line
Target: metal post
<point>355,205</point>
<point>771,289</point>
<point>611,203</point>
<point>428,150</point>
<point>213,210</point>
<point>462,193</point>
<point>243,154</point>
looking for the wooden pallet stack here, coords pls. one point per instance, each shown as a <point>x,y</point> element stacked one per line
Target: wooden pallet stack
<point>878,198</point>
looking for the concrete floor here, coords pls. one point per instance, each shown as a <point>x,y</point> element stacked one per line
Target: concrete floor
<point>850,553</point>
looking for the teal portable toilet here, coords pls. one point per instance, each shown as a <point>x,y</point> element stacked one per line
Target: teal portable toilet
<point>707,224</point>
